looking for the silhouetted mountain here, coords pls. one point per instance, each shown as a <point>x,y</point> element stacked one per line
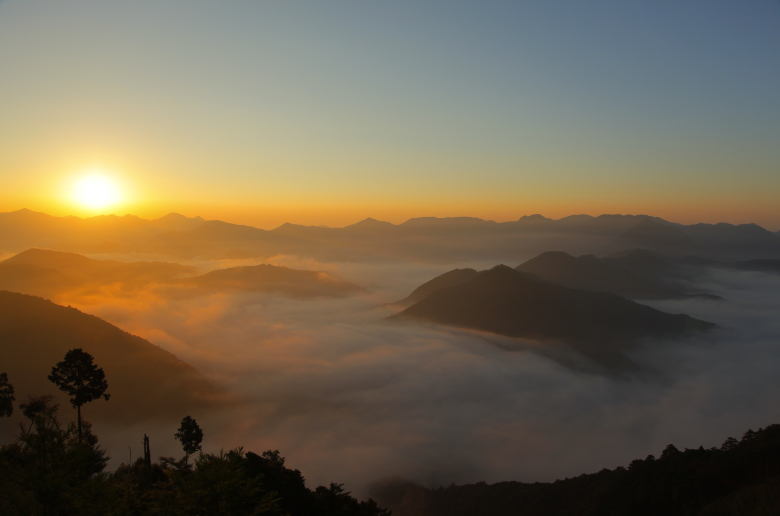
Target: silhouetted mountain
<point>739,478</point>
<point>504,301</point>
<point>425,238</point>
<point>449,279</point>
<point>176,222</point>
<point>270,278</point>
<point>720,241</point>
<point>370,225</point>
<point>216,239</point>
<point>619,274</point>
<point>49,273</point>
<point>105,233</point>
<point>734,242</point>
<point>144,380</point>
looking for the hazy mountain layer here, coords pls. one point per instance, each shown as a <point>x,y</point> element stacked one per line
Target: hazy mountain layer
<point>144,381</point>
<point>68,275</point>
<point>636,276</point>
<point>105,233</point>
<point>758,265</point>
<point>52,273</point>
<point>428,238</point>
<point>270,278</point>
<point>505,301</point>
<point>659,236</point>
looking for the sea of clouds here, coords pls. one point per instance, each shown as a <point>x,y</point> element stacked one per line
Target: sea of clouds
<point>347,396</point>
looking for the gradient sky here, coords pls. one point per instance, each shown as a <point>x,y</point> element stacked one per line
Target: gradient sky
<point>327,112</point>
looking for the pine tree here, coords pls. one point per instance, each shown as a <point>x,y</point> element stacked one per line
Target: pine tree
<point>190,435</point>
<point>80,379</point>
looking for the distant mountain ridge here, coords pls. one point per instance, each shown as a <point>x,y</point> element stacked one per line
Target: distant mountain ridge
<point>423,238</point>
<point>24,228</point>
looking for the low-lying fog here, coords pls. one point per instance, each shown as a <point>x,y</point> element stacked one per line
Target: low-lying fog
<point>348,397</point>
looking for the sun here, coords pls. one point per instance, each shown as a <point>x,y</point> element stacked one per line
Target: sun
<point>96,191</point>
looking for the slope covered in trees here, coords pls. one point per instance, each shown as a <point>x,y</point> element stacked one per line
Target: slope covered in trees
<point>49,470</point>
<point>739,478</point>
<point>146,381</point>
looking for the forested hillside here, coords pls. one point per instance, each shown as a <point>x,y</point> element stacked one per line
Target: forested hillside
<point>742,477</point>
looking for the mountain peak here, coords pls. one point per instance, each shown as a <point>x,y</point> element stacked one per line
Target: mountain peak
<point>370,224</point>
<point>536,217</point>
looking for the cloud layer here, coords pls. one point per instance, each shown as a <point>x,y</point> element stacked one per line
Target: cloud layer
<point>351,398</point>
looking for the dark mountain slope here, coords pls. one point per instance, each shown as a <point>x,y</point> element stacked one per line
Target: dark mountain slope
<point>637,275</point>
<point>734,242</point>
<point>740,478</point>
<point>449,279</point>
<point>144,380</point>
<point>597,324</point>
<point>658,236</point>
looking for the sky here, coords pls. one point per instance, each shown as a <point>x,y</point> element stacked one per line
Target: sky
<point>264,112</point>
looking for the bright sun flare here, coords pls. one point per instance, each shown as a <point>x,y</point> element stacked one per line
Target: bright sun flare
<point>96,191</point>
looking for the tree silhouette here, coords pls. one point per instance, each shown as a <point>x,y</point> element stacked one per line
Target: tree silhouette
<point>190,435</point>
<point>6,396</point>
<point>80,379</point>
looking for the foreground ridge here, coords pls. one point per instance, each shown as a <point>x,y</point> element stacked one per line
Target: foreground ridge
<point>741,477</point>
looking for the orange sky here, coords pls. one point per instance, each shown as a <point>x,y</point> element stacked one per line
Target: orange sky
<point>269,112</point>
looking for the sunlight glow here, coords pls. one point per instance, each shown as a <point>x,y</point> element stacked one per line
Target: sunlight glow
<point>96,191</point>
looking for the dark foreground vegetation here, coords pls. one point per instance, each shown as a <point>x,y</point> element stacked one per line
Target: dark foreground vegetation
<point>741,478</point>
<point>53,469</point>
<point>47,471</point>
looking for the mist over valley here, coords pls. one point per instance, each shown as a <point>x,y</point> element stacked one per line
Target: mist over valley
<point>601,359</point>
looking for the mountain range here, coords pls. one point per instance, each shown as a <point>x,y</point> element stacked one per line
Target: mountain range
<point>425,238</point>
